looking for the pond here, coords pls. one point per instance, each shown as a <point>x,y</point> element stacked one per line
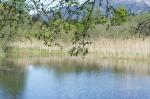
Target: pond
<point>63,80</point>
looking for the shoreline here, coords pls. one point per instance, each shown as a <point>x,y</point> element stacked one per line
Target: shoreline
<point>118,66</point>
<point>135,49</point>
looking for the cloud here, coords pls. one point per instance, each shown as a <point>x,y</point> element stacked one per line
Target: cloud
<point>147,2</point>
<point>144,1</point>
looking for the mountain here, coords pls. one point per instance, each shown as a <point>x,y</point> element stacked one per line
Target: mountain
<point>135,6</point>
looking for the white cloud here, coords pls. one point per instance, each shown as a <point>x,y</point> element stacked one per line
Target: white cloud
<point>144,1</point>
<point>148,2</point>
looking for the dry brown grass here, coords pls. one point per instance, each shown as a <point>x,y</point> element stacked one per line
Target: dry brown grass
<point>121,48</point>
<point>102,48</point>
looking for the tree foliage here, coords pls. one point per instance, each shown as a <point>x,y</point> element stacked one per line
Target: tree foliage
<point>15,15</point>
<point>143,28</point>
<point>119,16</point>
<point>54,17</point>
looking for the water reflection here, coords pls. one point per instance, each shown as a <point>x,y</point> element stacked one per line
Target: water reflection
<point>12,79</point>
<point>74,79</point>
<point>66,64</point>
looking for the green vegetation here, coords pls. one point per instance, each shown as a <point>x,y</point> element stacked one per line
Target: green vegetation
<point>17,24</point>
<point>120,16</point>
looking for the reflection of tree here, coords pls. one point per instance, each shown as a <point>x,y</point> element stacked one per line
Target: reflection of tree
<point>12,78</point>
<point>63,69</point>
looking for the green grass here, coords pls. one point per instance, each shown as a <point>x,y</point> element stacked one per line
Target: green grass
<point>122,31</point>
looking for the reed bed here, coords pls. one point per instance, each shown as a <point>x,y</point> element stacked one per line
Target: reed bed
<point>121,48</point>
<point>137,48</point>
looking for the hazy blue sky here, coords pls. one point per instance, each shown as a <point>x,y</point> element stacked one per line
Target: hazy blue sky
<point>53,4</point>
<point>81,1</point>
<point>144,1</point>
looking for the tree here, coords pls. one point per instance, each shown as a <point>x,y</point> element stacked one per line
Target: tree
<point>17,14</point>
<point>119,16</point>
<point>98,17</point>
<point>143,28</point>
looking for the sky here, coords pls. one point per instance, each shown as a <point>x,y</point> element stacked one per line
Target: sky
<point>144,1</point>
<point>53,4</point>
<point>81,1</point>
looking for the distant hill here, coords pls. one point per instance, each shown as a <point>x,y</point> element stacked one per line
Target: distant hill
<point>136,7</point>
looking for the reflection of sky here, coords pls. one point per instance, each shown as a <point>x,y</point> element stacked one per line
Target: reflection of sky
<point>2,96</point>
<point>44,84</point>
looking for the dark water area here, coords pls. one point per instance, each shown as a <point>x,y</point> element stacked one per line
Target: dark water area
<point>55,81</point>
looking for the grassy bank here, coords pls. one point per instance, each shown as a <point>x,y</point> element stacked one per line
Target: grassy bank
<point>116,42</point>
<point>137,49</point>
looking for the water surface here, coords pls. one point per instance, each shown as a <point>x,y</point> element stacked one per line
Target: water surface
<point>74,81</point>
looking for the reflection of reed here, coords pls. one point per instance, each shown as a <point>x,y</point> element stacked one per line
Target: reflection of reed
<point>116,65</point>
<point>8,65</point>
<point>12,78</point>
